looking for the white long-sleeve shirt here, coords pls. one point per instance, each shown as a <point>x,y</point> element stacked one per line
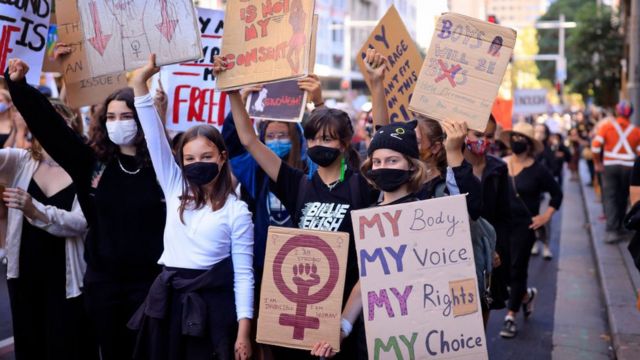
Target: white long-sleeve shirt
<point>206,237</point>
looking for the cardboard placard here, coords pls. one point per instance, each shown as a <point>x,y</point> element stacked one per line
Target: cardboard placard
<point>302,286</point>
<point>193,99</point>
<point>120,35</point>
<point>530,101</point>
<point>82,88</point>
<point>49,64</point>
<point>418,281</point>
<point>266,41</point>
<point>280,101</point>
<point>463,70</point>
<point>392,40</point>
<point>23,34</point>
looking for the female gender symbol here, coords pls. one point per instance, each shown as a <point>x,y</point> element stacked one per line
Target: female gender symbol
<point>300,321</point>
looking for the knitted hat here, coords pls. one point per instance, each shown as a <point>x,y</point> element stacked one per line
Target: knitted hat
<point>624,109</point>
<point>399,136</point>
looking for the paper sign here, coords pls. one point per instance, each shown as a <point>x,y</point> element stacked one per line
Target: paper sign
<point>462,72</point>
<point>280,101</point>
<point>530,101</point>
<point>120,35</point>
<point>266,41</point>
<point>418,281</point>
<point>392,40</point>
<point>302,287</point>
<point>82,88</point>
<point>23,34</point>
<point>193,99</point>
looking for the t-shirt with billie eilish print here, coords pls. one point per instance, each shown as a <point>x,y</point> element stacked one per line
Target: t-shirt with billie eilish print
<point>322,208</point>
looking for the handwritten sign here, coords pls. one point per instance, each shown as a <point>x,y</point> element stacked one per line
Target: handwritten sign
<point>23,33</point>
<point>530,101</point>
<point>50,64</point>
<point>418,281</point>
<point>280,101</point>
<point>120,35</point>
<point>392,40</point>
<point>266,41</point>
<point>193,99</point>
<point>463,70</point>
<point>302,286</point>
<point>82,88</point>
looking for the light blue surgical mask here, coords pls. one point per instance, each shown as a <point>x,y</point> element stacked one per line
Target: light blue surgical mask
<point>4,107</point>
<point>280,147</point>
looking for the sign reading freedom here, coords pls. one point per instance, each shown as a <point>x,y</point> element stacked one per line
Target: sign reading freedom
<point>418,281</point>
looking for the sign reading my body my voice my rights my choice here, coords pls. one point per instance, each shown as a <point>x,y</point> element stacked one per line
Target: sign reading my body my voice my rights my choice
<point>418,281</point>
<point>462,72</point>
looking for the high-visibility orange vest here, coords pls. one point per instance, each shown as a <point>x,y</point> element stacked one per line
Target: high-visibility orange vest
<point>620,140</point>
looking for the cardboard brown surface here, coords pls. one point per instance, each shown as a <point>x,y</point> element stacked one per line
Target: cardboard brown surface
<point>49,64</point>
<point>392,40</point>
<point>94,90</point>
<point>418,280</point>
<point>266,42</point>
<point>302,287</point>
<point>462,72</point>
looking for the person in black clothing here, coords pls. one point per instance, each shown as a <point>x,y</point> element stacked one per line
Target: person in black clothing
<point>546,158</point>
<point>120,198</point>
<point>392,167</point>
<point>529,180</point>
<point>494,177</point>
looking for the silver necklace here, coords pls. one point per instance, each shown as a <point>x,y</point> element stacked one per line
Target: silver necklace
<point>127,171</point>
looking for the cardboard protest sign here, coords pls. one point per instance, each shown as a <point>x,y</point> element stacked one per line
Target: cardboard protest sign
<point>120,35</point>
<point>266,41</point>
<point>49,64</point>
<point>530,101</point>
<point>392,40</point>
<point>23,34</point>
<point>418,281</point>
<point>280,101</point>
<point>193,99</point>
<point>82,88</point>
<point>463,70</point>
<point>302,286</point>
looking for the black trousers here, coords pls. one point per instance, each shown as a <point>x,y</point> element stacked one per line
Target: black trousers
<point>46,325</point>
<point>522,239</point>
<point>110,305</point>
<point>615,194</point>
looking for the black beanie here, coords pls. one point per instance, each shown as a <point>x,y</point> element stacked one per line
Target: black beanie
<point>399,136</point>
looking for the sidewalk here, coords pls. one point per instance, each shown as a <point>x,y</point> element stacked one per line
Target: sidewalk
<point>619,278</point>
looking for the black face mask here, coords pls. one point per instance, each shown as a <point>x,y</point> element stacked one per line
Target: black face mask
<point>201,173</point>
<point>389,179</point>
<point>519,147</point>
<point>323,155</point>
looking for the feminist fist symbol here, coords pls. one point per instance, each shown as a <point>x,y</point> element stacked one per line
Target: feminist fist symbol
<point>305,276</point>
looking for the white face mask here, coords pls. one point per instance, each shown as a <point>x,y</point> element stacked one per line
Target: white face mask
<point>122,132</point>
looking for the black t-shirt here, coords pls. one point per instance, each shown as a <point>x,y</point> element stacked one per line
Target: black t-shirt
<point>531,183</point>
<point>317,207</point>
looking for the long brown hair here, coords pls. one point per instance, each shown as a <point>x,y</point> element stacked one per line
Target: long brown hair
<point>294,159</point>
<point>194,196</point>
<point>337,124</point>
<point>99,137</point>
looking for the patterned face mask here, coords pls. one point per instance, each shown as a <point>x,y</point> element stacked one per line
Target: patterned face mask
<point>478,147</point>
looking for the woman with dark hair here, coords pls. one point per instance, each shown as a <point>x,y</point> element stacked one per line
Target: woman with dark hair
<point>324,201</point>
<point>529,180</point>
<point>120,198</point>
<point>45,244</point>
<point>207,274</point>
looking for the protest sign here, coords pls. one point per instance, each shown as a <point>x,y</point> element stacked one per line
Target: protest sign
<point>193,99</point>
<point>23,34</point>
<point>49,63</point>
<point>462,72</point>
<point>530,101</point>
<point>82,88</point>
<point>280,101</point>
<point>120,35</point>
<point>302,286</point>
<point>418,281</point>
<point>392,40</point>
<point>266,41</point>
